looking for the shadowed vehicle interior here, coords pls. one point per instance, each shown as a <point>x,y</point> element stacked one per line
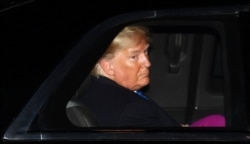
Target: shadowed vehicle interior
<point>186,72</point>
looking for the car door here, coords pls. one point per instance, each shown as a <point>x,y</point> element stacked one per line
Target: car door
<point>197,69</point>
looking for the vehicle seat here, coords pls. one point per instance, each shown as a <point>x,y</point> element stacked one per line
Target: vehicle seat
<point>79,114</point>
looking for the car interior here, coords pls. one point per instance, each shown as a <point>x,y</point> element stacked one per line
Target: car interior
<point>186,73</point>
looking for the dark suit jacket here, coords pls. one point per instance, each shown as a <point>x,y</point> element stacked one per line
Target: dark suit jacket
<point>116,106</point>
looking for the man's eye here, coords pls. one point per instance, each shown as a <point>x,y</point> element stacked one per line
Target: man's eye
<point>134,56</point>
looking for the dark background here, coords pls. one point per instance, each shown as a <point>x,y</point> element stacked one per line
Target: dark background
<point>37,34</point>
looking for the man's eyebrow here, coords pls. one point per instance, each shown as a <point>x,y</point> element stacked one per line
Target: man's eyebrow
<point>135,51</point>
<point>138,50</point>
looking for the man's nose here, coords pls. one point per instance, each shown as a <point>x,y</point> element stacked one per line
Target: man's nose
<point>146,61</point>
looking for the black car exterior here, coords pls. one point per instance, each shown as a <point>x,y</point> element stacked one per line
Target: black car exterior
<point>42,116</point>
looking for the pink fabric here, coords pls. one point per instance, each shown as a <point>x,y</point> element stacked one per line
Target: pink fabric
<point>214,120</point>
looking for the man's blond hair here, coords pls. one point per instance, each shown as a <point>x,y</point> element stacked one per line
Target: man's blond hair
<point>127,37</point>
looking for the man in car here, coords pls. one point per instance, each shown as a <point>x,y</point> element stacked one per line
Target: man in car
<point>113,94</point>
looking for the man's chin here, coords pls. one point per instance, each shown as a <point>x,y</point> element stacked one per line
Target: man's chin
<point>145,81</point>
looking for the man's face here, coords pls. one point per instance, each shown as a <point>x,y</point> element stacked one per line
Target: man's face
<point>131,66</point>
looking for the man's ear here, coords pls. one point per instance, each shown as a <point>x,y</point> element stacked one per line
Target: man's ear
<point>107,66</point>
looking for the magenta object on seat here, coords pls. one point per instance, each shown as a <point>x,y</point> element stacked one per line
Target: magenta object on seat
<point>214,120</point>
